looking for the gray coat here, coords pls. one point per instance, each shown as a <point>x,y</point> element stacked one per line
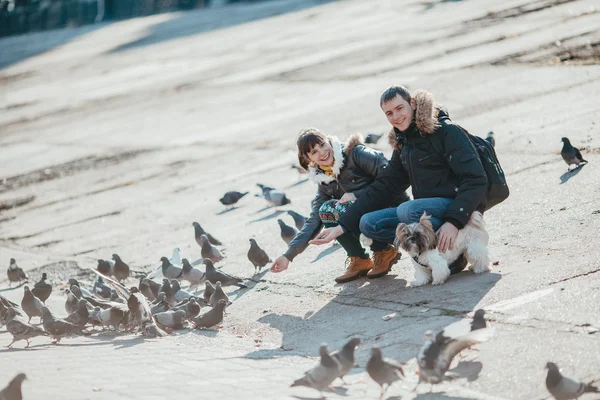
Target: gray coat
<point>356,167</point>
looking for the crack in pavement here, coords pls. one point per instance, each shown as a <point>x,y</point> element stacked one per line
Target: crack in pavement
<point>574,277</point>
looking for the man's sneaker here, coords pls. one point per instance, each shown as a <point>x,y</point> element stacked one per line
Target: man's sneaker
<point>356,267</point>
<point>458,265</point>
<point>383,261</point>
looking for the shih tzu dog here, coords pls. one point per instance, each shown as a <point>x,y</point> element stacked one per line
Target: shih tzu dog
<point>419,240</point>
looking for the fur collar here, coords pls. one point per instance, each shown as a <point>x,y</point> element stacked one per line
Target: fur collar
<point>426,117</point>
<point>340,152</point>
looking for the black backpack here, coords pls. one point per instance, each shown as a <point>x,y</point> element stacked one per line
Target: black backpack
<point>497,186</point>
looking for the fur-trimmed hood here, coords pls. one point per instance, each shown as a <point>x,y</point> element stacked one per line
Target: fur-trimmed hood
<point>340,152</point>
<point>426,117</point>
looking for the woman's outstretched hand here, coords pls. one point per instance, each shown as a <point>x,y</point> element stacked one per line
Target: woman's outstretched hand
<point>280,265</point>
<point>327,235</point>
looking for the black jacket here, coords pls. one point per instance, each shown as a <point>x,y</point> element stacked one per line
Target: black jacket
<point>356,167</point>
<point>437,159</point>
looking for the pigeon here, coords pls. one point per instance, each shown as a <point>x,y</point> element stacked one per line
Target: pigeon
<point>218,295</point>
<point>150,329</point>
<point>93,301</point>
<point>84,291</point>
<point>149,288</point>
<point>160,305</point>
<point>321,376</point>
<point>478,320</point>
<point>570,154</point>
<point>13,390</point>
<point>169,270</point>
<point>373,138</point>
<point>564,388</point>
<point>167,289</point>
<point>436,354</point>
<point>178,292</point>
<point>213,275</point>
<point>59,328</point>
<point>192,308</point>
<point>120,269</point>
<point>198,231</point>
<point>15,273</point>
<point>299,220</point>
<point>19,329</point>
<point>257,256</point>
<point>212,317</point>
<point>209,251</point>
<point>7,303</point>
<point>384,371</point>
<point>105,267</point>
<point>176,257</point>
<point>42,289</point>
<point>230,198</point>
<point>276,198</point>
<point>140,314</point>
<point>209,289</point>
<point>31,304</point>
<point>288,233</point>
<point>111,316</point>
<point>193,275</point>
<point>490,139</point>
<point>81,315</point>
<point>265,188</point>
<point>171,319</point>
<point>101,289</point>
<point>345,356</point>
<point>71,303</point>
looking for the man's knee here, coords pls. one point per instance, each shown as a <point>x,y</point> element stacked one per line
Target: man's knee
<point>366,225</point>
<point>405,212</point>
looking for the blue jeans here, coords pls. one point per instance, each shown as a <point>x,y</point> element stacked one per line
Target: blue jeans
<point>381,225</point>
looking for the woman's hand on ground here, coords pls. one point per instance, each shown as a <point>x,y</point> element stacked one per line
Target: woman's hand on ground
<point>447,237</point>
<point>280,265</point>
<point>327,235</point>
<point>347,197</point>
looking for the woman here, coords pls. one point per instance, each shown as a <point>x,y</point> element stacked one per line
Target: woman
<point>342,171</point>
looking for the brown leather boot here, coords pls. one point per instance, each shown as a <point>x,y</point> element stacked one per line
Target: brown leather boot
<point>383,261</point>
<point>356,267</point>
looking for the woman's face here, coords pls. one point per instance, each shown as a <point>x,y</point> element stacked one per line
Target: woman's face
<point>321,154</point>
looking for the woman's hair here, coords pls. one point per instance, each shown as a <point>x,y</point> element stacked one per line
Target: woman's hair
<point>393,91</point>
<point>307,140</point>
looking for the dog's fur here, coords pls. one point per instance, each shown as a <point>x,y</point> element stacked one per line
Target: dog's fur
<point>420,241</point>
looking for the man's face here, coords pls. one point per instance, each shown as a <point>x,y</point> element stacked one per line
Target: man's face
<point>399,112</point>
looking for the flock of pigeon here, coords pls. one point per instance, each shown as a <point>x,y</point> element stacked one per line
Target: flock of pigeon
<point>154,309</point>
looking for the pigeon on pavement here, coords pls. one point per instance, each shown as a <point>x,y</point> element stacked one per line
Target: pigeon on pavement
<point>299,220</point>
<point>13,390</point>
<point>71,302</point>
<point>111,316</point>
<point>198,231</point>
<point>321,376</point>
<point>140,314</point>
<point>101,289</point>
<point>218,295</point>
<point>81,315</point>
<point>276,198</point>
<point>31,304</point>
<point>167,289</point>
<point>345,356</point>
<point>213,275</point>
<point>373,138</point>
<point>169,270</point>
<point>209,289</point>
<point>149,288</point>
<point>59,328</point>
<point>478,320</point>
<point>105,267</point>
<point>171,319</point>
<point>84,291</point>
<point>193,275</point>
<point>19,329</point>
<point>384,371</point>
<point>209,251</point>
<point>42,289</point>
<point>212,317</point>
<point>257,256</point>
<point>121,270</point>
<point>230,198</point>
<point>570,154</point>
<point>288,233</point>
<point>15,273</point>
<point>178,292</point>
<point>160,305</point>
<point>565,388</point>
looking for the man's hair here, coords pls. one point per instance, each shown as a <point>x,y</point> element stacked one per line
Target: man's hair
<point>307,140</point>
<point>393,91</point>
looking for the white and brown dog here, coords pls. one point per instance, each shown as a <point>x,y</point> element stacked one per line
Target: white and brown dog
<point>420,242</point>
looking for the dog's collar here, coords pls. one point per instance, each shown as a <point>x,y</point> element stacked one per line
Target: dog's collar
<point>416,259</point>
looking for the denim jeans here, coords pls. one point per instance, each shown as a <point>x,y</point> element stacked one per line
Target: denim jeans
<point>381,225</point>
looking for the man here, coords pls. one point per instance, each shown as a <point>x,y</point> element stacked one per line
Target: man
<point>433,156</point>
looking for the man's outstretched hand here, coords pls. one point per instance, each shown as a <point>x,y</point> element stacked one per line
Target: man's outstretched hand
<point>447,237</point>
<point>327,235</point>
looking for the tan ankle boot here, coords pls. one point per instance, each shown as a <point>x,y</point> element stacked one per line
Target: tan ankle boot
<point>383,261</point>
<point>356,267</point>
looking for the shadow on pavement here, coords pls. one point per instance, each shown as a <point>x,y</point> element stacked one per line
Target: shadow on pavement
<point>439,395</point>
<point>329,250</point>
<point>564,178</point>
<point>274,214</point>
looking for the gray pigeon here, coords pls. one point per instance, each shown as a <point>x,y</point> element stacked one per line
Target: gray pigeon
<point>565,388</point>
<point>71,302</point>
<point>321,376</point>
<point>288,233</point>
<point>81,315</point>
<point>84,291</point>
<point>257,256</point>
<point>373,138</point>
<point>345,356</point>
<point>478,320</point>
<point>101,289</point>
<point>111,316</point>
<point>212,317</point>
<point>299,220</point>
<point>105,267</point>
<point>120,269</point>
<point>114,296</point>
<point>198,231</point>
<point>178,292</point>
<point>265,188</point>
<point>276,198</point>
<point>192,309</point>
<point>15,273</point>
<point>31,304</point>
<point>160,305</point>
<point>209,251</point>
<point>171,319</point>
<point>436,354</point>
<point>490,139</point>
<point>58,328</point>
<point>218,295</point>
<point>140,314</point>
<point>209,289</point>
<point>42,289</point>
<point>230,198</point>
<point>570,154</point>
<point>169,270</point>
<point>19,329</point>
<point>193,275</point>
<point>13,390</point>
<point>167,289</point>
<point>213,275</point>
<point>149,288</point>
<point>384,371</point>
